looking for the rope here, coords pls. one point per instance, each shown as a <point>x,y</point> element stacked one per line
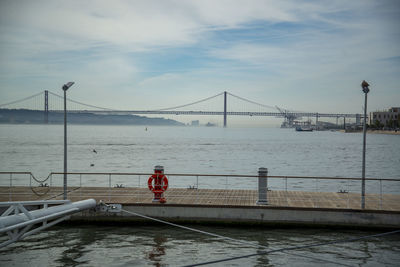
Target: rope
<point>38,181</point>
<point>220,236</point>
<point>186,228</point>
<point>295,248</point>
<point>317,259</point>
<point>41,194</point>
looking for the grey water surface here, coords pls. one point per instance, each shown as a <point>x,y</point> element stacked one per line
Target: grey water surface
<point>203,150</point>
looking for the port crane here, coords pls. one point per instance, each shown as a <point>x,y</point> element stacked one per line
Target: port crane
<point>288,116</point>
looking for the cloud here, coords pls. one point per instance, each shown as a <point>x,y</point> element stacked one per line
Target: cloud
<point>134,25</point>
<point>186,50</point>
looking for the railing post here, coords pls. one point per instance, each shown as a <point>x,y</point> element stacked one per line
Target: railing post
<point>262,186</point>
<point>10,196</point>
<point>316,190</point>
<point>80,186</point>
<point>348,194</point>
<point>286,193</point>
<point>197,189</point>
<point>381,196</point>
<point>285,184</point>
<point>109,187</point>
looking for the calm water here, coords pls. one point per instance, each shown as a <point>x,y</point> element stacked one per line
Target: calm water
<point>204,150</point>
<point>39,149</point>
<point>165,246</point>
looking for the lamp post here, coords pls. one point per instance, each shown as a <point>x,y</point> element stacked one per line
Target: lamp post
<point>65,88</point>
<point>365,89</point>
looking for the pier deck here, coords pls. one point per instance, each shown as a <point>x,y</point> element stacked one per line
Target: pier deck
<point>227,206</point>
<point>208,197</point>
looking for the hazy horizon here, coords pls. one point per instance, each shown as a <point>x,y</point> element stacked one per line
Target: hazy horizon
<point>299,55</point>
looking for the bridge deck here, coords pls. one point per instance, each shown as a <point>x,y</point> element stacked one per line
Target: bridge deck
<point>207,197</point>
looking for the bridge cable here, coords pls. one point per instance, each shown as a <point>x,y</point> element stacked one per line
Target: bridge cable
<point>266,106</point>
<point>21,100</point>
<point>253,102</point>
<point>80,103</point>
<point>220,236</point>
<point>196,102</point>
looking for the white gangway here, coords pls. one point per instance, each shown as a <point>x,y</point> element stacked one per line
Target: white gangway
<point>23,218</point>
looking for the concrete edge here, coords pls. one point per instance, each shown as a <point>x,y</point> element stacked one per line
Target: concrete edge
<point>236,215</point>
<point>260,207</point>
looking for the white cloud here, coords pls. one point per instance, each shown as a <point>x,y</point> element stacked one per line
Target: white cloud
<point>134,25</point>
<point>329,44</point>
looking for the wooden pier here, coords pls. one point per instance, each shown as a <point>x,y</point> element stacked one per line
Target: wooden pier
<point>227,206</point>
<point>208,197</point>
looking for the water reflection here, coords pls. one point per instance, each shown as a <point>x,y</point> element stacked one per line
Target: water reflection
<point>140,245</point>
<point>262,260</point>
<point>75,244</point>
<point>155,255</point>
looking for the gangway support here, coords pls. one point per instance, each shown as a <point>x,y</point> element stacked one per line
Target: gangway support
<point>19,220</point>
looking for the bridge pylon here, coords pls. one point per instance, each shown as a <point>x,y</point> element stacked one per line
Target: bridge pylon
<point>46,107</point>
<point>224,109</point>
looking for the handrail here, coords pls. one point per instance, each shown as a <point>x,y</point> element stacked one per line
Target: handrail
<point>15,173</point>
<point>207,175</point>
<point>30,173</point>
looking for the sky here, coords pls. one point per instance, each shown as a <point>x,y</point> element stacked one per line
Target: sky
<point>299,55</point>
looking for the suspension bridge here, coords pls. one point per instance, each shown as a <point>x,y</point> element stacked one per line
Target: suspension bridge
<point>223,104</point>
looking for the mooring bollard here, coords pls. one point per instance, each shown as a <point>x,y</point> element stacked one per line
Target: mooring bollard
<point>262,186</point>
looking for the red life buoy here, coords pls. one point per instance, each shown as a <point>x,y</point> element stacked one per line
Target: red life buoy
<point>164,182</point>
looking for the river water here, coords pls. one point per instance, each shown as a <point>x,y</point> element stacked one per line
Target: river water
<point>204,150</point>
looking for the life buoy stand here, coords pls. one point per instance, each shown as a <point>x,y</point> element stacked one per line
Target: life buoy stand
<point>158,184</point>
<point>154,177</point>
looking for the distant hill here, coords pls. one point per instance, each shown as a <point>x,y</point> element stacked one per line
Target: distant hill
<point>26,116</point>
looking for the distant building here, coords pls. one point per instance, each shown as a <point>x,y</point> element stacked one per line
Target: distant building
<point>195,123</point>
<point>388,118</point>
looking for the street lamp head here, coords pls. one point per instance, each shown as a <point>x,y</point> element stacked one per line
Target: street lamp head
<point>67,85</point>
<point>364,86</point>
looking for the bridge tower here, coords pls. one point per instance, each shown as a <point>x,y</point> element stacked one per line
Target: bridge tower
<point>46,107</point>
<point>224,108</point>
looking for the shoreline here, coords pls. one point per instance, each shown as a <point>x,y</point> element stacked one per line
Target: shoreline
<point>374,132</point>
<point>383,132</point>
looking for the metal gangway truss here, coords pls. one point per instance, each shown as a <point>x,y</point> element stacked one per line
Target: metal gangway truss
<point>24,218</point>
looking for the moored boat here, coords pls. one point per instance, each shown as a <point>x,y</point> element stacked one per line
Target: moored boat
<point>304,129</point>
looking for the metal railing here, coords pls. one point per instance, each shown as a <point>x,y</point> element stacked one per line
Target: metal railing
<point>212,189</point>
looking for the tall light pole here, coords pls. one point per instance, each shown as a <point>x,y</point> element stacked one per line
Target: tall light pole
<point>364,86</point>
<point>65,88</point>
